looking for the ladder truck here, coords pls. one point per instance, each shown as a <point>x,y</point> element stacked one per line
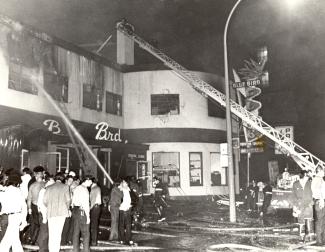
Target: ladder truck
<point>305,159</point>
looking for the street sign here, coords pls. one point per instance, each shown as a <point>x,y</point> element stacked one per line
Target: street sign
<point>252,144</point>
<point>252,150</point>
<point>249,83</point>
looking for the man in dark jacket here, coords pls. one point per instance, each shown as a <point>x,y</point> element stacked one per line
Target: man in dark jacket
<point>161,192</point>
<point>303,204</point>
<point>113,206</point>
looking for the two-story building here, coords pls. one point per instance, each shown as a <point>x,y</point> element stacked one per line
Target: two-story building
<point>140,123</point>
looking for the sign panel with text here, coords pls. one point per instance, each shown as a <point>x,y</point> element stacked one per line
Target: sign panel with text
<point>287,131</point>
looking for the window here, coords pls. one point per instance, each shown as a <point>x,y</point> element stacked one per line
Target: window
<point>62,160</point>
<point>19,79</point>
<point>23,53</point>
<point>113,103</point>
<point>196,169</point>
<point>219,175</point>
<point>92,97</point>
<point>163,104</point>
<point>165,165</point>
<point>215,109</point>
<point>56,86</point>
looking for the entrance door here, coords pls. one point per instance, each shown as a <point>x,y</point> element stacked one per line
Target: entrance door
<point>104,157</point>
<point>142,174</point>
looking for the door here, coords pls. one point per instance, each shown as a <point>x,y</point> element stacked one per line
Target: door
<point>142,174</point>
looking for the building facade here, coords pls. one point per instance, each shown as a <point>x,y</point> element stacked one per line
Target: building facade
<point>138,123</point>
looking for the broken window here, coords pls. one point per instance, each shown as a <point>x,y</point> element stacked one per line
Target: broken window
<point>164,104</point>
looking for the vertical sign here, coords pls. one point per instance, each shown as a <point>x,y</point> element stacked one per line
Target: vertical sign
<point>273,170</point>
<point>287,131</point>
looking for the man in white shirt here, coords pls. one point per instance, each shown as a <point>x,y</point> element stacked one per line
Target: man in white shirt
<point>81,215</point>
<point>14,206</point>
<point>125,215</point>
<point>318,190</point>
<point>57,200</point>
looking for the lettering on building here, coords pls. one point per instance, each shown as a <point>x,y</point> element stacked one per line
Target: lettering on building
<point>103,133</point>
<point>52,126</point>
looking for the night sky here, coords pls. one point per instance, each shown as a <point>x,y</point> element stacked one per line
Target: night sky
<point>191,32</point>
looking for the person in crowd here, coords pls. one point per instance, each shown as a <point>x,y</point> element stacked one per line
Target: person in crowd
<point>160,198</point>
<point>251,196</point>
<point>267,191</point>
<point>3,217</point>
<point>303,204</point>
<point>43,236</point>
<point>25,178</point>
<point>14,206</point>
<point>140,198</point>
<point>81,215</point>
<point>32,200</point>
<point>57,200</point>
<point>67,231</point>
<point>95,207</point>
<point>134,192</point>
<point>125,215</point>
<point>318,192</point>
<point>113,207</point>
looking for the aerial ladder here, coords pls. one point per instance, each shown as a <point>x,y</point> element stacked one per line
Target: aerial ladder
<point>301,156</point>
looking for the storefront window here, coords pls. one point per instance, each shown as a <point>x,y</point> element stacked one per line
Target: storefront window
<point>113,104</point>
<point>165,165</point>
<point>196,169</point>
<point>218,173</point>
<point>164,104</point>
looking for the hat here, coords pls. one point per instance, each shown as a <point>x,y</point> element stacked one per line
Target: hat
<point>72,173</point>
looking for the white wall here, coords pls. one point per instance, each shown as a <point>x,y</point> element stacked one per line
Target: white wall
<point>184,149</point>
<point>138,86</point>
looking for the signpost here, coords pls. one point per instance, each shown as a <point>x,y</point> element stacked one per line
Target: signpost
<point>252,147</point>
<point>249,83</point>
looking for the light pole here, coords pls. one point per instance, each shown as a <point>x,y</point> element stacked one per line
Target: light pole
<point>231,182</point>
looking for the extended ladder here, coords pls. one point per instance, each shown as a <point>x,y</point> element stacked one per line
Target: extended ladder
<point>304,159</point>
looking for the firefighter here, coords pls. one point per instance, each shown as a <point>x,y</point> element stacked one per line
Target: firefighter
<point>160,198</point>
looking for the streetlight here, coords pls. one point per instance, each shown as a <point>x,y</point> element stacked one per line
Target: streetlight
<point>231,182</point>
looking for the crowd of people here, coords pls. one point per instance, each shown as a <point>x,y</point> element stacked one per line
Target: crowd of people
<point>307,201</point>
<point>50,211</point>
<point>47,210</point>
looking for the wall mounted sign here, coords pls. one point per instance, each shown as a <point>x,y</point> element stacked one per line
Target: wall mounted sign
<point>52,126</point>
<point>103,133</point>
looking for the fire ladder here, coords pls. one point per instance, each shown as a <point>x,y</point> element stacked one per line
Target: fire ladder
<point>302,157</point>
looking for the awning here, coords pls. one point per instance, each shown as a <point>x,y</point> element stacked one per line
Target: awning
<point>53,129</point>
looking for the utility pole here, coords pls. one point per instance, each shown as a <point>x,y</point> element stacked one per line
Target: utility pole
<point>231,182</point>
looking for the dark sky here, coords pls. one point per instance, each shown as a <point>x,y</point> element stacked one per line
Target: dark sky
<point>191,32</point>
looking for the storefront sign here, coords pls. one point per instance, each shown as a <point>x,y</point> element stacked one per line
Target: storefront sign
<point>136,156</point>
<point>103,133</point>
<point>52,126</point>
